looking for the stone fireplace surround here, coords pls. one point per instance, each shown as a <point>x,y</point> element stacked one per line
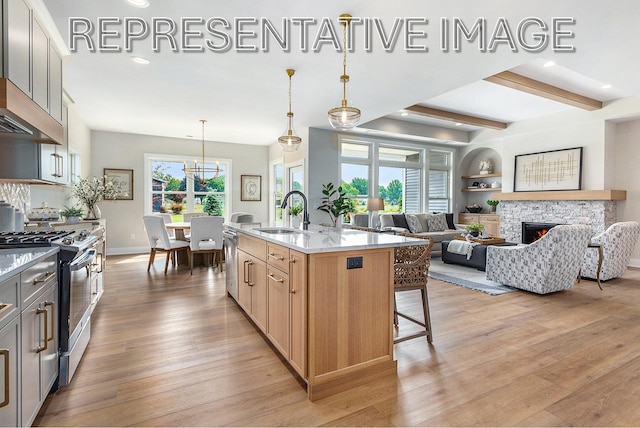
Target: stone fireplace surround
<point>597,209</point>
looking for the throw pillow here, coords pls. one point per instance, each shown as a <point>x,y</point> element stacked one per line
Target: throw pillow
<point>422,217</point>
<point>437,222</point>
<point>450,224</point>
<point>399,220</point>
<point>386,220</point>
<point>414,223</point>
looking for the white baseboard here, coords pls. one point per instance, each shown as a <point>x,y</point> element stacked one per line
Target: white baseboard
<point>634,263</point>
<point>127,250</point>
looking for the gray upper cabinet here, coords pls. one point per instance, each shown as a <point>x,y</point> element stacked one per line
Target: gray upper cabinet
<point>40,66</point>
<point>30,60</point>
<point>55,84</point>
<point>17,68</point>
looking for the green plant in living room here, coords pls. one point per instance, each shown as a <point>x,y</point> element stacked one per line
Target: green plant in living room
<point>475,227</point>
<point>334,202</point>
<point>493,204</point>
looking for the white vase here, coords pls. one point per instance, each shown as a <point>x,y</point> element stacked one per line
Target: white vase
<point>73,220</point>
<point>93,213</point>
<point>295,221</point>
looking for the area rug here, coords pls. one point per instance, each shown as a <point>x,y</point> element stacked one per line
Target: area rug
<point>466,277</point>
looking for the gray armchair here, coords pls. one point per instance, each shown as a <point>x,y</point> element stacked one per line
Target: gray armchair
<point>618,243</point>
<point>551,263</point>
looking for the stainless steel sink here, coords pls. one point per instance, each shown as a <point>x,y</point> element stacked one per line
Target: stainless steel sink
<point>277,230</point>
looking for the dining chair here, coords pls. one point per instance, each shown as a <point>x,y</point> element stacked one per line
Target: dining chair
<point>410,272</point>
<point>159,240</point>
<point>188,216</point>
<point>206,237</point>
<point>168,219</point>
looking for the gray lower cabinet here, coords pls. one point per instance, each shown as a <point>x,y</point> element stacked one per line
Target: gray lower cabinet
<point>28,341</point>
<point>39,353</point>
<point>10,352</point>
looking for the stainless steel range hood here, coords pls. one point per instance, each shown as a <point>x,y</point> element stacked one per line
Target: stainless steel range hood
<point>21,117</point>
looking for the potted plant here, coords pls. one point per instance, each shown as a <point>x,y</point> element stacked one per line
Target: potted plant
<point>90,191</point>
<point>71,214</point>
<point>474,228</point>
<point>294,212</point>
<point>334,202</point>
<point>492,205</point>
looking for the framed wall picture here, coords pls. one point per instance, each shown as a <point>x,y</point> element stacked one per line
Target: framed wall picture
<point>251,188</point>
<point>122,180</point>
<point>553,170</point>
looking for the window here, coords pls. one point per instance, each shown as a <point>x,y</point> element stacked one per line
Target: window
<point>396,173</point>
<point>439,181</point>
<point>169,190</point>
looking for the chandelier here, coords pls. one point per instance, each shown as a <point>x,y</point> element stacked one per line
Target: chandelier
<point>199,173</point>
<point>344,117</point>
<point>290,142</point>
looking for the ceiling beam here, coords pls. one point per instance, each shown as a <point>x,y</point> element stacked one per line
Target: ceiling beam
<point>455,117</point>
<point>535,87</point>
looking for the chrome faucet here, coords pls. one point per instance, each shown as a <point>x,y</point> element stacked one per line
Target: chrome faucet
<point>305,212</point>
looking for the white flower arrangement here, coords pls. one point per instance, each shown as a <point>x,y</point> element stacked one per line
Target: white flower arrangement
<point>90,191</point>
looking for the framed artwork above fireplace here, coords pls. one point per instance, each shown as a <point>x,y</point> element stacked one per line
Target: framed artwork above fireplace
<point>552,170</point>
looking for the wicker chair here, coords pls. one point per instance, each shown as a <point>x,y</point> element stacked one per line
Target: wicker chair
<point>411,267</point>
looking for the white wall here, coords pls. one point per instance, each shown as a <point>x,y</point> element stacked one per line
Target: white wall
<point>117,150</point>
<point>626,174</point>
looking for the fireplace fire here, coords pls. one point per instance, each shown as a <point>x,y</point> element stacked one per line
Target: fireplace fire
<point>531,232</point>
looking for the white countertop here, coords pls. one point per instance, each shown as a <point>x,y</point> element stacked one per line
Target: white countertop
<point>327,240</point>
<point>16,260</point>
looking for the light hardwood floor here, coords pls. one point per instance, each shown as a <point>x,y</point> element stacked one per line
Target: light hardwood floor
<point>175,351</point>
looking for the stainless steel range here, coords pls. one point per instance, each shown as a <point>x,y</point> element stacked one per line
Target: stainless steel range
<point>78,270</point>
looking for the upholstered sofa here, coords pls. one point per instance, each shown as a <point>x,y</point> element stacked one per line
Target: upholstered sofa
<point>439,226</point>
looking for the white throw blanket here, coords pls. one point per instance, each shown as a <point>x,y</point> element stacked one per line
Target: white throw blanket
<point>464,248</point>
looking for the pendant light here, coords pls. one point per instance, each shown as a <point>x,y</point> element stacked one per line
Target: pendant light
<point>199,173</point>
<point>290,142</point>
<point>344,117</point>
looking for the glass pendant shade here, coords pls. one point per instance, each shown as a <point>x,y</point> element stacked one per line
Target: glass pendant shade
<point>202,173</point>
<point>345,116</point>
<point>289,142</point>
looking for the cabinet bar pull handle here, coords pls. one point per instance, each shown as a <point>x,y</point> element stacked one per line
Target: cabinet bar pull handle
<point>292,260</point>
<point>53,317</point>
<point>46,330</point>
<point>244,272</point>
<point>47,275</point>
<point>250,283</point>
<point>5,354</point>
<point>273,256</point>
<point>273,278</point>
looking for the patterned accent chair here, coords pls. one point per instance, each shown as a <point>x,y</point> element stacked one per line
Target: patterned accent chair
<point>551,263</point>
<point>618,243</point>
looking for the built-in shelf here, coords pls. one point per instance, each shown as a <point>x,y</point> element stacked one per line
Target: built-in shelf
<point>563,195</point>
<point>495,174</point>
<point>487,189</point>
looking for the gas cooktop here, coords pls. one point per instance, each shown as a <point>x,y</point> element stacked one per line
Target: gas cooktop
<point>32,238</point>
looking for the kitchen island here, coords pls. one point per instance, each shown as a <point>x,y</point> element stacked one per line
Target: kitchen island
<point>324,299</point>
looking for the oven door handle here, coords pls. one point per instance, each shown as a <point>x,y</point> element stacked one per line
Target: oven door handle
<point>83,261</point>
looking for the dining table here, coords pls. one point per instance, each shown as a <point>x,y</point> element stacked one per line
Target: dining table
<point>179,228</point>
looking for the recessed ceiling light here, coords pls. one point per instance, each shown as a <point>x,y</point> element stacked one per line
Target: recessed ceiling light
<point>189,136</point>
<point>549,64</point>
<point>404,113</point>
<point>606,86</point>
<point>140,60</point>
<point>139,3</point>
<point>458,124</point>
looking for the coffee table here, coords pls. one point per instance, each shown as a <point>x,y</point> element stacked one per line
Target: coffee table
<point>483,241</point>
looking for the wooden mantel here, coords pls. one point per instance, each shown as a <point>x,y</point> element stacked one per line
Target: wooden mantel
<point>563,195</point>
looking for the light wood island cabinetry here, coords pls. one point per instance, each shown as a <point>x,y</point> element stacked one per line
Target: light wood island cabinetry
<point>328,313</point>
